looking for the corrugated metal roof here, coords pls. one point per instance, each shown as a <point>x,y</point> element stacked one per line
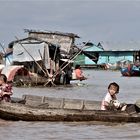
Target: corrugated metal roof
<point>114,47</point>
<point>51,32</point>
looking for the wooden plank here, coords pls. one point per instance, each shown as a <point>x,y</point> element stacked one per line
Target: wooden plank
<point>51,102</point>
<point>33,100</point>
<point>73,104</point>
<point>92,105</point>
<point>32,97</point>
<point>54,102</point>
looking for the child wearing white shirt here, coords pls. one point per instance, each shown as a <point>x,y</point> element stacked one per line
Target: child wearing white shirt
<point>110,101</point>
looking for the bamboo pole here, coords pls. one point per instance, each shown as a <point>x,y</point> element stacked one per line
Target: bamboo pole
<point>72,58</point>
<point>5,52</point>
<point>45,72</point>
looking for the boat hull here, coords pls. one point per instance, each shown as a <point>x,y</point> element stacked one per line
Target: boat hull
<point>130,72</point>
<point>18,111</point>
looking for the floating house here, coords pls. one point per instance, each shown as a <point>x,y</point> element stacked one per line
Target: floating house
<point>108,58</point>
<point>89,55</point>
<point>41,58</point>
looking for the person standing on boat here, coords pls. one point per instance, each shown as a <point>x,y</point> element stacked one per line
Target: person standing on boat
<point>5,89</point>
<point>110,101</point>
<point>79,73</point>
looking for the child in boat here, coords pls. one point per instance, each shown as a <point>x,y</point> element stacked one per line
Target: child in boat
<point>79,73</point>
<point>5,89</point>
<point>110,101</point>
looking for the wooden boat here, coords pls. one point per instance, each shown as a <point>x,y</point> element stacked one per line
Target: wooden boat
<point>131,70</point>
<point>37,108</point>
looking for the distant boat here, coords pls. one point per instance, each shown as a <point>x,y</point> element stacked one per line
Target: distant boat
<point>131,70</point>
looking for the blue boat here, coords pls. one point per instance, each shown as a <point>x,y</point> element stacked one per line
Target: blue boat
<point>131,70</point>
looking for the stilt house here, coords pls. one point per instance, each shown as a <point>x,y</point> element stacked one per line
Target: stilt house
<point>42,53</point>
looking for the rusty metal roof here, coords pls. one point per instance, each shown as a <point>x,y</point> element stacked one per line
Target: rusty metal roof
<point>51,32</point>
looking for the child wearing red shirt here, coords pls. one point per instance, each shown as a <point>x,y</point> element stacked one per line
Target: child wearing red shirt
<point>5,89</point>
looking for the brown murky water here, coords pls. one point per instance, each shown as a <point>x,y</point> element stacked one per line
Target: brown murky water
<point>92,89</point>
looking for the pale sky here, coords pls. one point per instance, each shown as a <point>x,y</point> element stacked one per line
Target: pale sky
<point>94,20</point>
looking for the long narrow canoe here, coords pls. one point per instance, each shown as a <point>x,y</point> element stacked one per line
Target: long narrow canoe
<point>36,108</point>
